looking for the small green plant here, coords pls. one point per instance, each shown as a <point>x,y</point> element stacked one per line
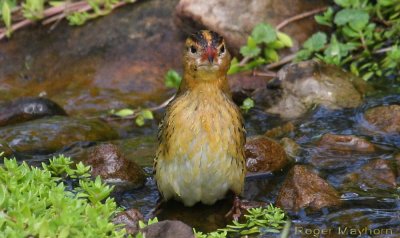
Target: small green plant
<point>261,48</point>
<point>140,115</point>
<point>35,202</point>
<point>247,104</point>
<point>259,220</point>
<point>172,79</point>
<point>365,38</point>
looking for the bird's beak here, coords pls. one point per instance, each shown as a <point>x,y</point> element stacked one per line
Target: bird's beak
<point>209,54</point>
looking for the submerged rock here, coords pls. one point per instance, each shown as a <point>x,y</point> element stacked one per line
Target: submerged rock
<point>264,155</point>
<point>130,219</point>
<point>48,135</point>
<point>235,20</point>
<point>303,188</point>
<point>168,229</point>
<point>110,164</point>
<point>301,86</point>
<point>5,149</point>
<point>348,143</point>
<point>384,118</point>
<point>290,146</point>
<point>26,109</point>
<point>377,174</point>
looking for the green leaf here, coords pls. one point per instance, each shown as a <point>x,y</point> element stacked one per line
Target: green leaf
<point>316,42</point>
<point>263,33</point>
<point>124,112</point>
<point>147,114</point>
<point>139,120</point>
<point>285,39</point>
<point>326,18</point>
<point>271,54</point>
<point>356,18</point>
<point>6,15</point>
<point>248,103</point>
<point>248,51</point>
<point>172,79</point>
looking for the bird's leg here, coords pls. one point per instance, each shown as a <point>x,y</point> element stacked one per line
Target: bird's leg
<point>235,211</point>
<point>240,205</point>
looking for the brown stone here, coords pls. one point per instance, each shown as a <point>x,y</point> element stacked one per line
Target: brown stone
<point>303,188</point>
<point>108,162</point>
<point>290,146</point>
<point>168,229</point>
<point>384,118</point>
<point>235,20</point>
<point>280,130</point>
<point>264,155</point>
<point>300,86</point>
<point>397,161</point>
<point>376,174</point>
<point>130,219</point>
<point>345,143</point>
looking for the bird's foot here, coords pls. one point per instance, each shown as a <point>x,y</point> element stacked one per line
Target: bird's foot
<point>240,205</point>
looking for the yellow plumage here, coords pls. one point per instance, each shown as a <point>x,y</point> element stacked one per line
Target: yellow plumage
<point>200,155</point>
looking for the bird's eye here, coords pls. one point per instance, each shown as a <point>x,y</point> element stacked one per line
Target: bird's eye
<point>193,49</point>
<point>222,50</point>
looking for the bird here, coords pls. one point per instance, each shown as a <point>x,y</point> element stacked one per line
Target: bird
<point>200,155</point>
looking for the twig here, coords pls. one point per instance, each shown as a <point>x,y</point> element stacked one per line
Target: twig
<point>264,74</point>
<point>283,61</point>
<point>135,114</point>
<point>244,61</point>
<point>299,17</point>
<point>383,50</point>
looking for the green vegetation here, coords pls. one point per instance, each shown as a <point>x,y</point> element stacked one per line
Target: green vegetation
<point>261,48</point>
<point>76,12</point>
<point>365,38</point>
<point>35,202</point>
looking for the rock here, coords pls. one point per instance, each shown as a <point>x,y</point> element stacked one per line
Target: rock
<point>5,149</point>
<point>303,188</point>
<point>292,149</point>
<point>301,86</point>
<point>111,165</point>
<point>377,174</point>
<point>168,229</point>
<point>113,62</point>
<point>384,118</point>
<point>130,219</point>
<point>349,143</point>
<point>264,155</point>
<point>235,20</point>
<point>48,135</point>
<point>140,149</point>
<point>26,109</point>
<point>280,130</point>
<point>397,161</point>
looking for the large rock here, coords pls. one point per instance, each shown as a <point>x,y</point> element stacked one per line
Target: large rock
<point>264,155</point>
<point>236,19</point>
<point>377,174</point>
<point>348,143</point>
<point>384,119</point>
<point>116,61</point>
<point>48,135</point>
<point>301,86</point>
<point>111,165</point>
<point>26,109</point>
<point>168,229</point>
<point>303,188</point>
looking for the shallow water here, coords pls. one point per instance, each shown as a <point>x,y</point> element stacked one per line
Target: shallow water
<point>80,81</point>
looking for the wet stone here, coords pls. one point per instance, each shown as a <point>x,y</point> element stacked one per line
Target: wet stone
<point>168,229</point>
<point>5,149</point>
<point>130,219</point>
<point>235,20</point>
<point>377,174</point>
<point>292,149</point>
<point>344,143</point>
<point>26,109</point>
<point>301,86</point>
<point>384,118</point>
<point>47,135</point>
<point>110,164</point>
<point>264,155</point>
<point>303,188</point>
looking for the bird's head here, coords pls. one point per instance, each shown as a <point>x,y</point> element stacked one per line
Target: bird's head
<point>206,55</point>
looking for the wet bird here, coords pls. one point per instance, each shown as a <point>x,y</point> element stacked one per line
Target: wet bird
<point>200,156</point>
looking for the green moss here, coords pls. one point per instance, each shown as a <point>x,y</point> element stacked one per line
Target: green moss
<point>35,202</point>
